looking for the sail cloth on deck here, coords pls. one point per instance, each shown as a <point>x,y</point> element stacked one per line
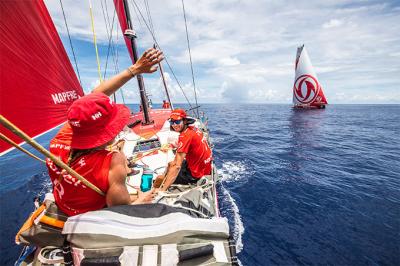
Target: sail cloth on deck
<point>38,82</point>
<point>306,90</point>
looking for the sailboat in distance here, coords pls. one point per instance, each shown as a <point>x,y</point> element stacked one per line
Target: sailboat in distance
<point>307,91</point>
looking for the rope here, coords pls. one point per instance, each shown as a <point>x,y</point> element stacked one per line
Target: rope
<point>70,42</point>
<point>9,141</point>
<point>190,57</point>
<point>140,155</point>
<point>165,58</point>
<point>179,194</point>
<point>14,129</point>
<point>94,41</point>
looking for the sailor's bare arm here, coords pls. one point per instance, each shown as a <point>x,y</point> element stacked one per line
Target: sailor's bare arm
<point>146,64</point>
<point>173,170</point>
<point>117,193</point>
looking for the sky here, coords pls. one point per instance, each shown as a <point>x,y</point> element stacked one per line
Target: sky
<point>244,51</point>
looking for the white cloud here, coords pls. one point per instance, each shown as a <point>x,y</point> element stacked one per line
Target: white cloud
<point>229,61</point>
<point>332,24</point>
<point>243,50</point>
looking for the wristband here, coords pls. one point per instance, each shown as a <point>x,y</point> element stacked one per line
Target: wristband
<point>130,71</point>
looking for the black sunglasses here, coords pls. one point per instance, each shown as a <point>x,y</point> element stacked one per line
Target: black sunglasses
<point>176,122</point>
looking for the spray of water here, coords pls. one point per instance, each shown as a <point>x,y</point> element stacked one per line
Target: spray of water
<point>233,171</point>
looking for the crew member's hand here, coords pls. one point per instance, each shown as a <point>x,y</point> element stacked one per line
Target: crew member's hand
<point>148,62</point>
<point>158,181</point>
<point>145,197</point>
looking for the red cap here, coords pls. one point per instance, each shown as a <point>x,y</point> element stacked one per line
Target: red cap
<point>178,114</point>
<point>95,120</point>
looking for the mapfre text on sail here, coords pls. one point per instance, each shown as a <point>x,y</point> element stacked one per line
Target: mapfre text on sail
<point>63,97</point>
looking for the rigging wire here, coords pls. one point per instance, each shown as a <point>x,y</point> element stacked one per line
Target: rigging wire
<point>113,46</point>
<point>146,4</point>
<point>114,52</point>
<point>141,27</point>
<point>94,40</point>
<point>165,58</point>
<point>70,42</point>
<point>150,20</point>
<point>109,35</point>
<point>190,56</point>
<point>116,61</point>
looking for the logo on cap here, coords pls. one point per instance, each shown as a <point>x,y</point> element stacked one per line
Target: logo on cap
<point>96,115</point>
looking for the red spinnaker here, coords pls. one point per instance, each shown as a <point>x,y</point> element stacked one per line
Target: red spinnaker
<point>38,82</point>
<point>120,8</point>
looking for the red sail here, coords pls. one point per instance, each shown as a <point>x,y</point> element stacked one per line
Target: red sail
<point>120,8</point>
<point>38,82</point>
<point>320,99</point>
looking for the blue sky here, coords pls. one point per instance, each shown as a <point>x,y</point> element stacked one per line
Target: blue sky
<point>244,51</point>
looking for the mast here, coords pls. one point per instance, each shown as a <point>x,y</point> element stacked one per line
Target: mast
<point>130,34</point>
<point>164,82</point>
<point>165,85</point>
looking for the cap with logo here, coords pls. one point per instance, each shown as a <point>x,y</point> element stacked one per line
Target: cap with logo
<point>178,114</point>
<point>96,120</point>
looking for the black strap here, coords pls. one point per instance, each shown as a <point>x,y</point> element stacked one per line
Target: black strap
<point>67,253</point>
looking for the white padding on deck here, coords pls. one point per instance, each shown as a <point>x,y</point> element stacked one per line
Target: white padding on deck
<point>169,255</point>
<point>115,224</point>
<point>129,256</point>
<point>149,255</point>
<point>219,251</point>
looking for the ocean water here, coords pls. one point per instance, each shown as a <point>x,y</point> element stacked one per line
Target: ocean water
<point>319,187</point>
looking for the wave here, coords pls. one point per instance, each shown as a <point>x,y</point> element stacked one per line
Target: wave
<point>233,171</point>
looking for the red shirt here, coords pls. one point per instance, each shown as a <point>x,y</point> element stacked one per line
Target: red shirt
<point>198,153</point>
<point>71,196</point>
<point>166,105</point>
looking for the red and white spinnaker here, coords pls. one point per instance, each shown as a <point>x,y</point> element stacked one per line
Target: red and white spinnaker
<point>307,91</point>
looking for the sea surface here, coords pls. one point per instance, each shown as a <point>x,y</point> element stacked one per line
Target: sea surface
<point>317,187</point>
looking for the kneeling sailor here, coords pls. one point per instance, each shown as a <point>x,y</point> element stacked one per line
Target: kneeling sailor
<point>193,156</point>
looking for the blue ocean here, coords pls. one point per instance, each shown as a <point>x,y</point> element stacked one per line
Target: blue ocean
<point>317,187</point>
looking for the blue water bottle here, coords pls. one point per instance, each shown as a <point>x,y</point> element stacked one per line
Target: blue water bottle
<point>147,179</point>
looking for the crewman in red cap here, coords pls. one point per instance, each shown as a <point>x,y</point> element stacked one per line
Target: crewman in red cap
<point>93,123</point>
<point>166,104</point>
<point>193,155</point>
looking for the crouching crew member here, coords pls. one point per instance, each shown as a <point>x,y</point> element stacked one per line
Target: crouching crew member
<point>193,156</point>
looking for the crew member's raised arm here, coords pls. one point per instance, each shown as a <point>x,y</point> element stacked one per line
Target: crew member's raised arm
<point>146,64</point>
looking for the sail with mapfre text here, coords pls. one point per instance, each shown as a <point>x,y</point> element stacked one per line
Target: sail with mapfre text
<point>38,82</point>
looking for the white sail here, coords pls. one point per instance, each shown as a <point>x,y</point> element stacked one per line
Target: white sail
<point>307,90</point>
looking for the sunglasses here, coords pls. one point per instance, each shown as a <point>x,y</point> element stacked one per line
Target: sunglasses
<point>175,122</point>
